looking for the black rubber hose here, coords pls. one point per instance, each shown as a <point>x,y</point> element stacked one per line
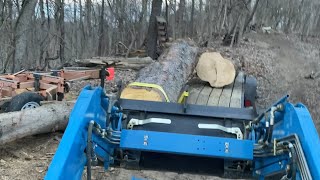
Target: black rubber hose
<point>266,135</point>
<point>270,133</point>
<point>89,149</point>
<point>293,167</point>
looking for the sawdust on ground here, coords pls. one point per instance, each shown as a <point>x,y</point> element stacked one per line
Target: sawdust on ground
<point>279,63</point>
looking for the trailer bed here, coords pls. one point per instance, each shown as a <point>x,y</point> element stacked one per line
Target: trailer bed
<point>201,93</point>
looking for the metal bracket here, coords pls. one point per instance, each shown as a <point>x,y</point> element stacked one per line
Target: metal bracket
<point>232,130</point>
<point>137,122</point>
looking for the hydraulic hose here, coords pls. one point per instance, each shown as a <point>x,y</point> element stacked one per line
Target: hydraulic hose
<point>266,136</point>
<point>270,124</point>
<point>89,149</point>
<point>293,166</point>
<point>260,117</point>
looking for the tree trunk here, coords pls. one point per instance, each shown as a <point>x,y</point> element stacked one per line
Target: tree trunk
<point>62,33</point>
<point>44,119</point>
<point>21,33</point>
<point>171,71</point>
<point>167,11</point>
<point>174,26</point>
<point>224,17</point>
<point>75,30</point>
<point>181,18</point>
<point>101,30</point>
<point>210,21</point>
<point>48,15</point>
<point>192,18</point>
<point>10,57</point>
<point>82,31</point>
<point>143,22</point>
<point>152,30</point>
<point>1,12</point>
<point>200,29</point>
<point>253,11</point>
<point>43,36</point>
<point>88,26</point>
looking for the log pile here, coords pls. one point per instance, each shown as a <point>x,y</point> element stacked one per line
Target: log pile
<point>135,63</point>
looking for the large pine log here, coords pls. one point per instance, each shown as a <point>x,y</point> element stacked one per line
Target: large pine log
<point>171,72</point>
<point>47,118</point>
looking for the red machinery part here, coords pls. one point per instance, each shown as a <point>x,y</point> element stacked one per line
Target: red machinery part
<point>110,75</point>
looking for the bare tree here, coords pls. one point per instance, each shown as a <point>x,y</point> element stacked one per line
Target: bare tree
<point>101,29</point>
<point>192,19</point>
<point>21,29</point>
<point>152,30</point>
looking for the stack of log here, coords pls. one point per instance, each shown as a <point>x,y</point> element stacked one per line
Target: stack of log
<point>135,63</point>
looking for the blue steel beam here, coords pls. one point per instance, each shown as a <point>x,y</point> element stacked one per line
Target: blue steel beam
<point>187,144</point>
<point>70,158</point>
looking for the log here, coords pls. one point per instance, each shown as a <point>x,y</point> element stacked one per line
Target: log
<point>118,62</point>
<point>215,69</point>
<point>47,118</point>
<point>170,72</point>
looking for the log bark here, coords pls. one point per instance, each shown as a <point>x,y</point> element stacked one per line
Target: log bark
<point>47,118</point>
<point>172,69</point>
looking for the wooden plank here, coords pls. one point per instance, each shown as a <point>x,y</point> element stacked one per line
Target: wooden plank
<point>214,97</point>
<point>225,97</point>
<point>236,97</point>
<point>194,92</point>
<point>204,95</point>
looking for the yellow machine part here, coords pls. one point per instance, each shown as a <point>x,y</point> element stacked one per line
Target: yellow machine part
<point>148,92</point>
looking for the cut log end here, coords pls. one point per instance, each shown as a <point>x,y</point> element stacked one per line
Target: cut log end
<point>215,69</point>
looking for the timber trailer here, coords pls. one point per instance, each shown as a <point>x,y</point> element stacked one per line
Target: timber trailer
<point>25,90</point>
<point>280,143</point>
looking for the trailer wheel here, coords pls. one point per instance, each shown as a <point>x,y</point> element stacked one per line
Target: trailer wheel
<point>26,100</point>
<point>4,106</point>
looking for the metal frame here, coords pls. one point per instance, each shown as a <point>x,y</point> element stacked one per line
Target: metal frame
<point>44,83</point>
<point>186,144</point>
<point>191,110</point>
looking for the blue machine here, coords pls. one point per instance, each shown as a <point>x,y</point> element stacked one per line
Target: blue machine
<point>280,143</point>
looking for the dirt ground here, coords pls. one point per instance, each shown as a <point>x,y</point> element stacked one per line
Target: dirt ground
<point>279,62</point>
